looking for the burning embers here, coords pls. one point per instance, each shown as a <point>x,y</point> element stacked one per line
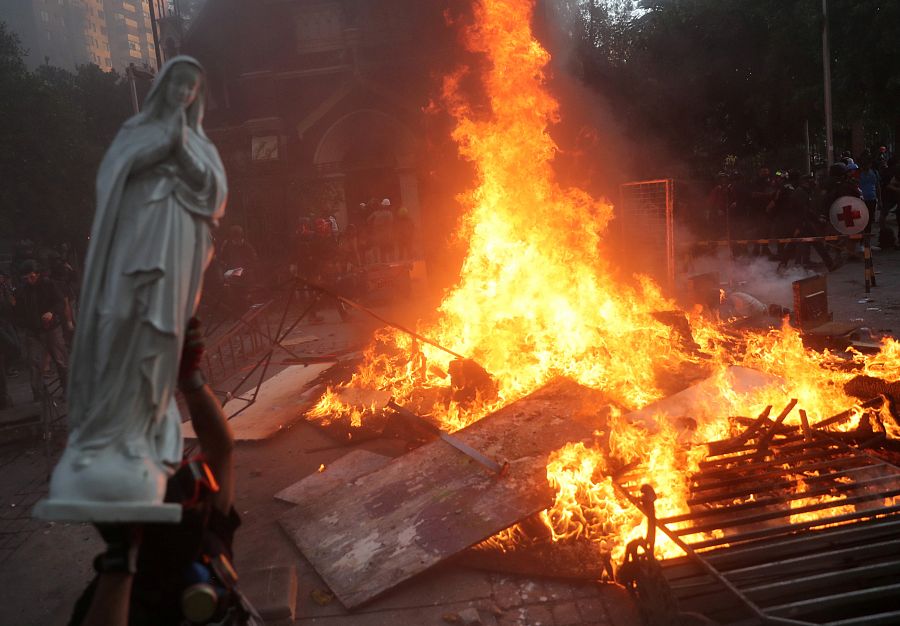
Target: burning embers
<point>536,300</point>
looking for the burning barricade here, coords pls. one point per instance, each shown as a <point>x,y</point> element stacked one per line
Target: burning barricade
<point>570,405</point>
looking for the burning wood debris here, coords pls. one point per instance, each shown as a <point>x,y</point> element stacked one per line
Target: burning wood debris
<point>537,301</point>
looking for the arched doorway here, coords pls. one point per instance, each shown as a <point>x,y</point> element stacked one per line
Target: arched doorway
<point>369,154</point>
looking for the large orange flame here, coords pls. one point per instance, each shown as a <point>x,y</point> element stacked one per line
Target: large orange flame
<point>536,299</point>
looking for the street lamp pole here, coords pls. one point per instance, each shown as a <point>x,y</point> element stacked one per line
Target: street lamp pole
<point>826,63</point>
<point>155,32</point>
<point>132,88</point>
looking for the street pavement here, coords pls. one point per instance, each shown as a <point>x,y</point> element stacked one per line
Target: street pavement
<point>44,566</point>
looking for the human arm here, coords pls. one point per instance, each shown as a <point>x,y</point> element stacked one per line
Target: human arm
<point>69,315</point>
<point>207,418</point>
<point>111,596</point>
<point>109,606</point>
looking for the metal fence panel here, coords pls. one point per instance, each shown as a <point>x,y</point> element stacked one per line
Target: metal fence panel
<point>645,217</point>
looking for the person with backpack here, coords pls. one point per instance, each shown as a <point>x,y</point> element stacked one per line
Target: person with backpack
<point>172,574</point>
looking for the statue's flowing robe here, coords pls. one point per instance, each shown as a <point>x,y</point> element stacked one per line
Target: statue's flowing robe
<point>150,244</point>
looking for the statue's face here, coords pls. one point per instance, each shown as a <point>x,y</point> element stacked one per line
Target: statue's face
<point>182,86</point>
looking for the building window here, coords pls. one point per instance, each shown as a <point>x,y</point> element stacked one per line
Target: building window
<point>45,16</point>
<point>128,7</point>
<point>130,22</point>
<point>47,33</point>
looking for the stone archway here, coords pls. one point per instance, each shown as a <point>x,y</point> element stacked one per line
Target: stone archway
<point>368,153</point>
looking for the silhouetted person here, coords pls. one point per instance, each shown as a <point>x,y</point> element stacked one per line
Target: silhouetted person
<point>381,223</point>
<point>806,223</point>
<point>40,312</point>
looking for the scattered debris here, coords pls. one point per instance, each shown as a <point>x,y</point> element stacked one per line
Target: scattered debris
<point>470,617</point>
<point>322,597</point>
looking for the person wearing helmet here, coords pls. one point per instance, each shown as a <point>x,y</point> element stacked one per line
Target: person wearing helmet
<point>806,223</point>
<point>381,224</point>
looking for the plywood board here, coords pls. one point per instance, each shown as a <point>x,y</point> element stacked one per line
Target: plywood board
<point>281,403</point>
<point>435,502</point>
<point>707,400</point>
<point>344,471</point>
<point>297,340</point>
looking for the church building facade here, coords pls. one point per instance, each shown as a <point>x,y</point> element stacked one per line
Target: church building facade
<point>318,105</point>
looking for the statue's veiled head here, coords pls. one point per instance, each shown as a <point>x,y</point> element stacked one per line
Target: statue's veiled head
<point>179,85</point>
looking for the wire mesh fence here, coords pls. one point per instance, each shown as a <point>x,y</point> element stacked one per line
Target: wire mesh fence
<point>646,220</point>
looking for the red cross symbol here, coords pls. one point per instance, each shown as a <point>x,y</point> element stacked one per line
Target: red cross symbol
<point>849,215</point>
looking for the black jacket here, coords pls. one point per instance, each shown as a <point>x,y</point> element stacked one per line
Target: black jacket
<point>32,301</point>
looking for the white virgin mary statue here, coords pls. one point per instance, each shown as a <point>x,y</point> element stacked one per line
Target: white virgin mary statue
<point>160,188</point>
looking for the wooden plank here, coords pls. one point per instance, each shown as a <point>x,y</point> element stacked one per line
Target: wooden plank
<point>297,340</point>
<point>435,502</point>
<point>706,400</point>
<point>281,403</point>
<point>344,471</point>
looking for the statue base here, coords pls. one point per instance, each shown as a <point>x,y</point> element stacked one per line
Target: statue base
<point>107,486</point>
<point>104,512</point>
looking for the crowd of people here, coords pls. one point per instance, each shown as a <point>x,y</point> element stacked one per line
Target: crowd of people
<point>321,252</point>
<point>794,204</point>
<point>377,233</point>
<point>333,257</point>
<point>39,288</point>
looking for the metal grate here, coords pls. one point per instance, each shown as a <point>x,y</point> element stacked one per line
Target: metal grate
<point>799,526</point>
<point>646,219</point>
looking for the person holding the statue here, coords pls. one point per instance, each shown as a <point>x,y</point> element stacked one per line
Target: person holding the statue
<point>161,574</point>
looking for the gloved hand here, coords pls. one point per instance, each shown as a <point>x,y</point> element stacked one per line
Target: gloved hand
<point>122,543</point>
<point>190,376</point>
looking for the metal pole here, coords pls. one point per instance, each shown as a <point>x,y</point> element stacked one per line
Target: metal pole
<point>129,71</point>
<point>155,33</point>
<point>806,140</point>
<point>826,64</point>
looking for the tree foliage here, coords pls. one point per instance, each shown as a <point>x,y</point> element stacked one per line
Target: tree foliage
<point>56,126</point>
<point>717,77</point>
